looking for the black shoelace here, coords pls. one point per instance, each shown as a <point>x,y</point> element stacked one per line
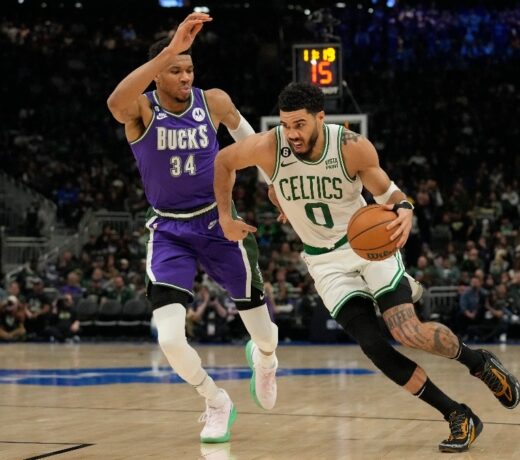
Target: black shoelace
<point>492,381</point>
<point>456,421</point>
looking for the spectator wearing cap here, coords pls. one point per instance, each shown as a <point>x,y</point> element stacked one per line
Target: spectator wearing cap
<point>37,309</point>
<point>11,320</point>
<point>63,324</point>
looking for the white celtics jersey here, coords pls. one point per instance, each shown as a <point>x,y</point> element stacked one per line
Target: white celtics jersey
<point>317,197</point>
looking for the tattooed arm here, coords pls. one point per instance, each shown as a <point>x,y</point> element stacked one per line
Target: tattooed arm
<point>361,159</point>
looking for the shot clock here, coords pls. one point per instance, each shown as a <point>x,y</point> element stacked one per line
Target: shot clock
<point>319,64</point>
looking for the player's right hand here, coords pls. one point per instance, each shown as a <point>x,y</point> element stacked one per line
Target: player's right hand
<point>235,230</point>
<point>187,31</point>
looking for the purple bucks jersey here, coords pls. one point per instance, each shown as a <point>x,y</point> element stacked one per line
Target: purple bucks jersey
<point>175,155</point>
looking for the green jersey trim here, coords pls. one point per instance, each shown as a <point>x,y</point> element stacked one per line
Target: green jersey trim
<point>395,280</point>
<point>339,305</point>
<point>278,148</point>
<point>340,154</point>
<point>314,251</point>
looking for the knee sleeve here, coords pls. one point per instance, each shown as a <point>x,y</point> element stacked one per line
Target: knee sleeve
<point>260,327</point>
<point>257,299</point>
<point>170,321</point>
<point>163,295</point>
<point>364,329</point>
<point>400,295</point>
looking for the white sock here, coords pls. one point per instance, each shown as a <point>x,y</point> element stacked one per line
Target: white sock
<point>209,390</point>
<point>266,361</point>
<point>263,332</point>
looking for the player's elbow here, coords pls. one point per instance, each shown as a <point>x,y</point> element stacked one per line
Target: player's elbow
<point>221,160</point>
<point>115,108</point>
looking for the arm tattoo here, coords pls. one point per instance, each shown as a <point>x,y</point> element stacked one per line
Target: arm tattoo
<point>348,135</point>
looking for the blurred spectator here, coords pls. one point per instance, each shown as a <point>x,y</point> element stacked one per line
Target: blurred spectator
<point>473,302</point>
<point>283,291</point>
<point>37,310</point>
<point>425,272</point>
<point>495,323</point>
<point>207,317</point>
<point>63,324</point>
<point>72,286</point>
<point>11,321</point>
<point>118,290</point>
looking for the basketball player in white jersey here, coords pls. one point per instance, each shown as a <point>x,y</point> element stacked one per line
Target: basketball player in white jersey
<point>318,171</point>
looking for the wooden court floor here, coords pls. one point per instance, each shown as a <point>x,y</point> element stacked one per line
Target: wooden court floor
<point>120,401</point>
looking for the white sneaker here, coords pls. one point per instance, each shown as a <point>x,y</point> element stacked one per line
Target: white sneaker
<point>262,385</point>
<point>218,421</point>
<point>417,288</point>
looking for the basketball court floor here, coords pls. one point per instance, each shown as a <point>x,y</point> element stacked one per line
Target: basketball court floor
<point>122,401</point>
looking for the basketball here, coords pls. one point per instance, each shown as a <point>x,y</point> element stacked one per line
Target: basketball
<point>367,233</point>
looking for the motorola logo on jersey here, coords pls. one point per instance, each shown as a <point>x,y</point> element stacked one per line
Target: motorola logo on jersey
<point>198,114</point>
<point>182,139</point>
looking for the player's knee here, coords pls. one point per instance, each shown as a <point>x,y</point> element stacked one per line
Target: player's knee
<point>256,300</point>
<point>172,344</point>
<point>375,347</point>
<point>402,294</point>
<point>164,295</point>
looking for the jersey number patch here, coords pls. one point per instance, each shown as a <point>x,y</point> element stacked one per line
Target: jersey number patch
<point>319,214</point>
<point>177,168</point>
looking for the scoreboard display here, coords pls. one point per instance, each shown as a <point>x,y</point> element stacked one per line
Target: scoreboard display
<point>321,65</point>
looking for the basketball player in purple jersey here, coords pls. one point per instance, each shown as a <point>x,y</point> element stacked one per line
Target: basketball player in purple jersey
<point>172,134</point>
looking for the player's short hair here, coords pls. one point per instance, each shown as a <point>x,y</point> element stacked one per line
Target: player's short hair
<point>159,45</point>
<point>296,96</point>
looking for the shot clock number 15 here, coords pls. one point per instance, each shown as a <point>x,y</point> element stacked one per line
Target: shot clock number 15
<point>319,64</point>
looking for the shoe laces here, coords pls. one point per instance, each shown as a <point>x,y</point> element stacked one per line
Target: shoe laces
<point>211,414</point>
<point>495,381</point>
<point>457,427</point>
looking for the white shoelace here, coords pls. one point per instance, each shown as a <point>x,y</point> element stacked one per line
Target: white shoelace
<point>211,413</point>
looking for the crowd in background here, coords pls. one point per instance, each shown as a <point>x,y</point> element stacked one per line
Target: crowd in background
<point>441,90</point>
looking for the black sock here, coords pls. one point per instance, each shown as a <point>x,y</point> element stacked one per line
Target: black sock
<point>431,395</point>
<point>472,359</point>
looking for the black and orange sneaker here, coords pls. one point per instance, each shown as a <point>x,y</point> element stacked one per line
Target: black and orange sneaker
<point>499,380</point>
<point>465,426</point>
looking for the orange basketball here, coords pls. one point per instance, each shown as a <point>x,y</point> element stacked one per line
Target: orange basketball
<point>367,233</point>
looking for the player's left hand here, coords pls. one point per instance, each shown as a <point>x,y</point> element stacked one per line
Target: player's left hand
<point>401,225</point>
<point>235,230</point>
